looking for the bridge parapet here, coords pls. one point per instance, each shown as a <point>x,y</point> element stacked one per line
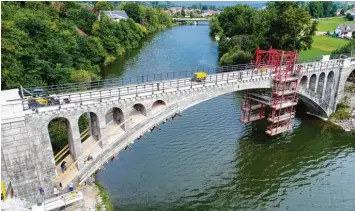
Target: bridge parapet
<point>224,74</point>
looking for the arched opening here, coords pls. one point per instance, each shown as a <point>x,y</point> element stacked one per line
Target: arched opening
<point>158,105</point>
<point>320,86</point>
<point>328,88</point>
<point>139,109</point>
<point>62,141</point>
<point>115,116</point>
<point>89,125</point>
<point>312,83</point>
<point>350,83</point>
<point>304,81</point>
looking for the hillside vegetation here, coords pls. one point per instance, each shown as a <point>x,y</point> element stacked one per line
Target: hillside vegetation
<point>45,43</point>
<point>282,25</point>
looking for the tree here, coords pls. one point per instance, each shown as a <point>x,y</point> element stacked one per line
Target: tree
<point>316,9</point>
<point>191,14</point>
<point>349,17</point>
<point>80,76</point>
<point>290,28</point>
<point>134,11</point>
<point>353,35</point>
<point>83,18</point>
<point>237,20</point>
<point>183,12</point>
<point>104,5</point>
<point>342,12</point>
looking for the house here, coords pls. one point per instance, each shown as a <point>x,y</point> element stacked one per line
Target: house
<point>210,12</point>
<point>115,15</point>
<point>345,30</point>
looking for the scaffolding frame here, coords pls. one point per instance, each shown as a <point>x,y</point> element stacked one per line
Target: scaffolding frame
<point>283,97</point>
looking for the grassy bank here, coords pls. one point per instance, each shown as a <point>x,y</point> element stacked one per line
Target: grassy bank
<point>106,201</point>
<point>342,112</point>
<point>323,45</point>
<point>330,23</point>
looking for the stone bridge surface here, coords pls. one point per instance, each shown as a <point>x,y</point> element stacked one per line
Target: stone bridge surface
<point>27,156</point>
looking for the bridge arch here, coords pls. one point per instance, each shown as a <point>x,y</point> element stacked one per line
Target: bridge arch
<point>90,120</point>
<point>312,82</point>
<point>116,116</point>
<point>158,105</point>
<point>320,87</point>
<point>66,134</point>
<point>304,82</point>
<point>328,87</point>
<point>139,108</point>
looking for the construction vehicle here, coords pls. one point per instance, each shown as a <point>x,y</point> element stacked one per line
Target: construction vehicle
<point>40,99</point>
<point>199,76</point>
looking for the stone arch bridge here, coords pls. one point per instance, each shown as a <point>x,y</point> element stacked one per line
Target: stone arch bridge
<point>27,156</point>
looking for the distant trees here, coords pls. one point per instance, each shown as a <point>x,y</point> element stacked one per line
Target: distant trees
<point>349,17</point>
<point>183,11</point>
<point>201,6</point>
<point>282,25</point>
<point>322,9</point>
<point>104,5</point>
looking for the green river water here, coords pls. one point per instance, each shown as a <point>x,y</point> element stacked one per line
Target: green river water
<point>208,160</point>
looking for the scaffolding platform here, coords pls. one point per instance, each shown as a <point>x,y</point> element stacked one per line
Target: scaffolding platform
<point>282,118</point>
<point>283,95</point>
<point>252,118</point>
<point>277,130</point>
<point>288,79</point>
<point>284,92</point>
<point>264,99</point>
<point>282,105</point>
<point>251,108</point>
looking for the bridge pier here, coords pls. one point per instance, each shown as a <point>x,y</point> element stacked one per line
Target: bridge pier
<point>74,141</point>
<point>344,73</point>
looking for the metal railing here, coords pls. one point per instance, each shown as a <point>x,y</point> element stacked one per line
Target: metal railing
<point>181,81</point>
<point>148,88</point>
<point>85,86</point>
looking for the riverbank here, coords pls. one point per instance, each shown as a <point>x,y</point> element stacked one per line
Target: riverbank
<point>96,198</point>
<point>344,116</point>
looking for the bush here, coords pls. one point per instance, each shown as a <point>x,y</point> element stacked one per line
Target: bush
<point>342,112</point>
<point>236,57</point>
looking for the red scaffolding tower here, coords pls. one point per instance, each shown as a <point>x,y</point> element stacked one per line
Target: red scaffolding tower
<point>283,97</point>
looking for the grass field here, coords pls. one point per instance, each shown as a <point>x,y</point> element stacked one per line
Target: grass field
<point>323,45</point>
<point>330,23</point>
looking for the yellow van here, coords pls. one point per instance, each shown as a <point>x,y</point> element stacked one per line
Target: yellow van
<point>199,76</point>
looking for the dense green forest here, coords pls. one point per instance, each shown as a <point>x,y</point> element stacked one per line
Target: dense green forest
<point>241,28</point>
<point>46,43</point>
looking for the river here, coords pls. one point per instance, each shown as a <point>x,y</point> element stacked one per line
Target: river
<point>208,160</point>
